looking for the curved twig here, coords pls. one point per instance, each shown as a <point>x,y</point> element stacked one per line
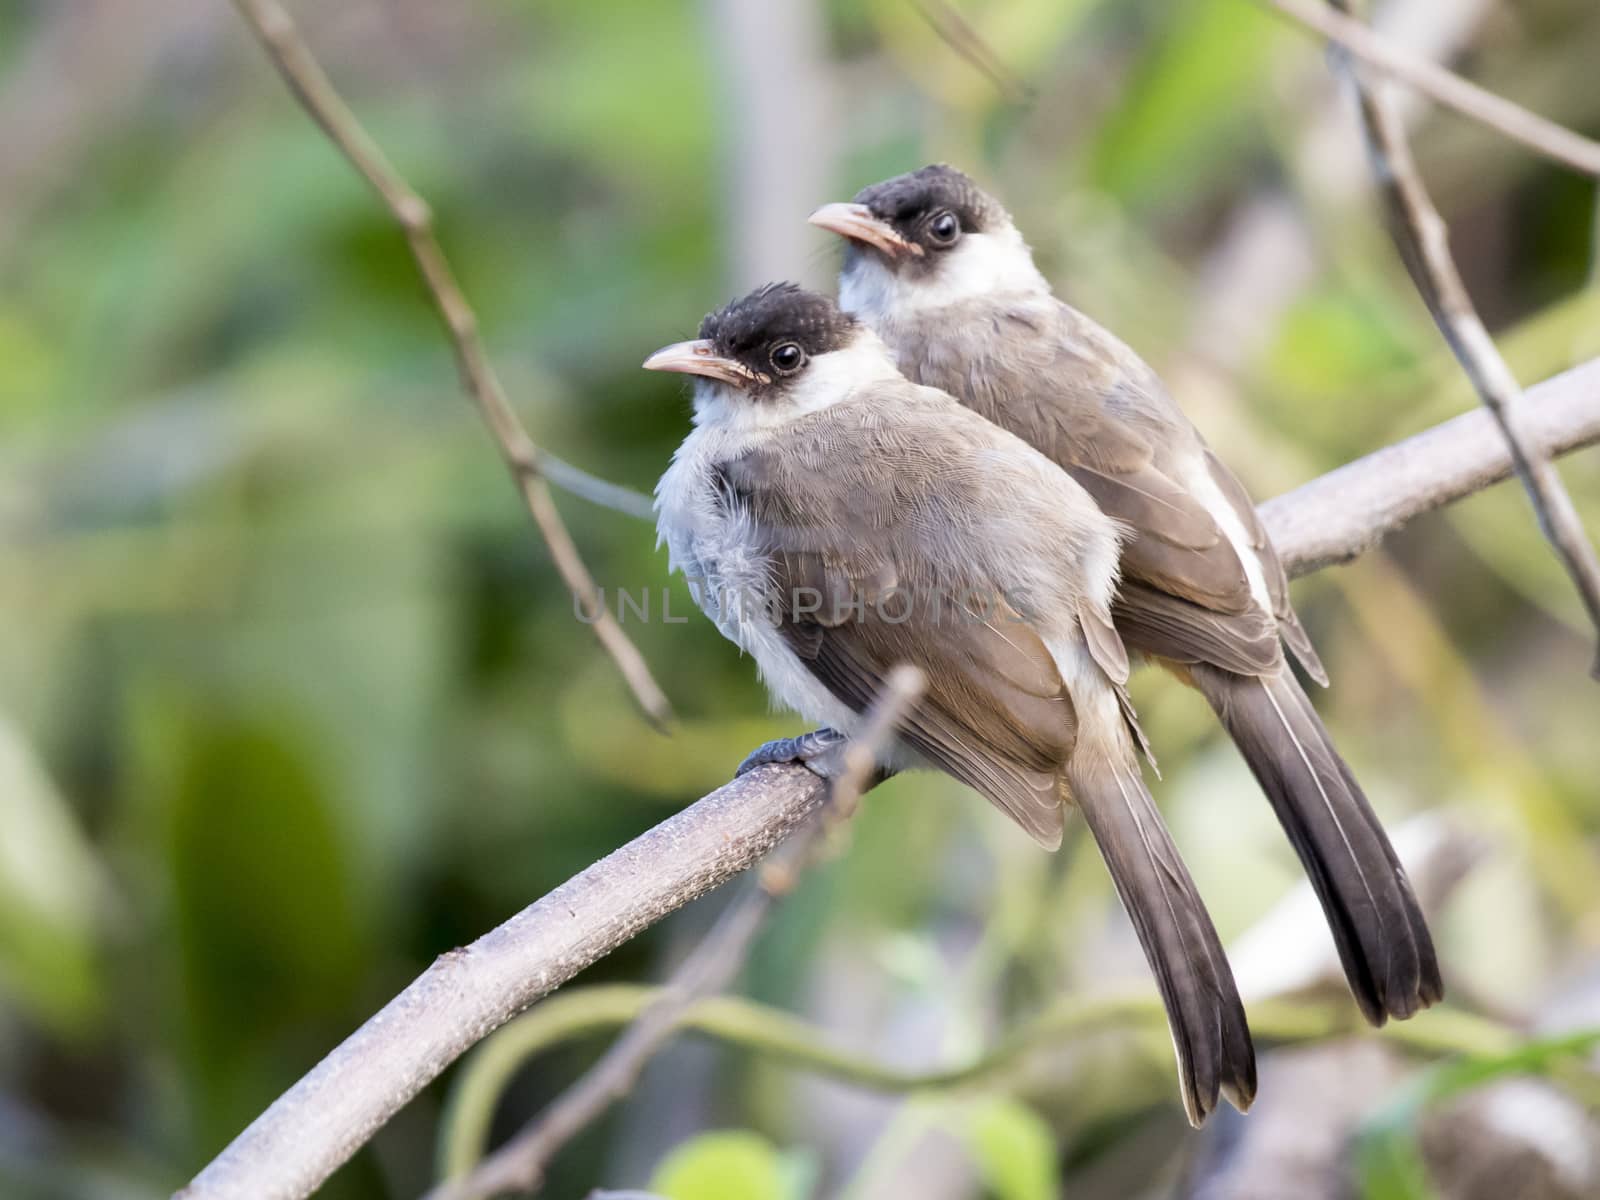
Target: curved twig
<point>957,32</point>
<point>595,490</point>
<point>315,91</point>
<point>794,1042</point>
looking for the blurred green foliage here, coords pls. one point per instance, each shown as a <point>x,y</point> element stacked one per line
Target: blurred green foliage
<point>729,1166</point>
<point>291,699</point>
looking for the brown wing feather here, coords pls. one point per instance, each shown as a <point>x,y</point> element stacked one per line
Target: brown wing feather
<point>852,598</point>
<point>1168,627</point>
<point>1178,547</point>
<point>1090,404</point>
<point>985,719</point>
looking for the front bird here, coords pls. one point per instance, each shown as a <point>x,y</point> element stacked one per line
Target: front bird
<point>836,520</point>
<point>937,268</point>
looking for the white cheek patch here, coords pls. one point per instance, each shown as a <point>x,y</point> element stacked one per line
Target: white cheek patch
<point>830,378</point>
<point>825,380</point>
<point>980,264</point>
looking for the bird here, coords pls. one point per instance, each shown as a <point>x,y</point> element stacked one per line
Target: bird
<point>835,520</point>
<point>937,268</point>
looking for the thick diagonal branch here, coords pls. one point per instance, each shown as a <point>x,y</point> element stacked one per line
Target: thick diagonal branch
<point>317,95</point>
<point>1424,244</point>
<point>519,1166</point>
<point>326,1117</point>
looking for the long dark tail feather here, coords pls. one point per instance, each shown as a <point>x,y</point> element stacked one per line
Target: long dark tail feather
<point>1381,935</point>
<point>1209,1031</point>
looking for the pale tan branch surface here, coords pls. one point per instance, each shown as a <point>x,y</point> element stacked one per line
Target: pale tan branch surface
<point>1424,243</point>
<point>1538,133</point>
<point>315,91</point>
<point>1341,515</point>
<point>519,1165</point>
<point>315,1126</point>
<point>468,993</point>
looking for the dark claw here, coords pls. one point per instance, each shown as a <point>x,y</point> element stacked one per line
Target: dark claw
<point>817,751</point>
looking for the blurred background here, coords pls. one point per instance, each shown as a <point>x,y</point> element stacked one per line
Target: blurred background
<point>292,700</point>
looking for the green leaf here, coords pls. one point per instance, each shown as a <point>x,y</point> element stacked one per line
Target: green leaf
<point>1015,1150</point>
<point>1187,112</point>
<point>269,936</point>
<point>726,1165</point>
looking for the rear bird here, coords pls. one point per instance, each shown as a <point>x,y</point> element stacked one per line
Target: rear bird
<point>837,520</point>
<point>937,268</point>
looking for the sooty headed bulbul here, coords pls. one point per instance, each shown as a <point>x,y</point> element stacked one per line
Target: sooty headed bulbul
<point>936,267</point>
<point>836,519</point>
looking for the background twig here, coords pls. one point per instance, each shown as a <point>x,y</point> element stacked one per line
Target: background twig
<point>1538,133</point>
<point>326,1117</point>
<point>784,1038</point>
<point>595,490</point>
<point>316,93</point>
<point>957,32</point>
<point>1424,243</point>
<point>520,1164</point>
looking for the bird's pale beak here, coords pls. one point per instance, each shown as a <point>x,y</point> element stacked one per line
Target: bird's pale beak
<point>701,358</point>
<point>857,222</point>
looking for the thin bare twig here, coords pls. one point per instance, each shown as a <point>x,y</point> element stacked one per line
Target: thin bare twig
<point>1424,243</point>
<point>1265,257</point>
<point>519,1165</point>
<point>957,32</point>
<point>1554,141</point>
<point>578,482</point>
<point>306,79</point>
<point>331,1113</point>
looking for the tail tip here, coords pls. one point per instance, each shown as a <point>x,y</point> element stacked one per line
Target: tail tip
<point>1403,1003</point>
<point>1234,1082</point>
<point>1241,1093</point>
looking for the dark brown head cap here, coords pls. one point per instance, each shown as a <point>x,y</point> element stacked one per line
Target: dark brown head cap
<point>908,201</point>
<point>776,330</point>
<point>776,313</point>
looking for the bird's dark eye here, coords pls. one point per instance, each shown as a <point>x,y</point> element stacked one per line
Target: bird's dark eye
<point>787,358</point>
<point>944,228</point>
